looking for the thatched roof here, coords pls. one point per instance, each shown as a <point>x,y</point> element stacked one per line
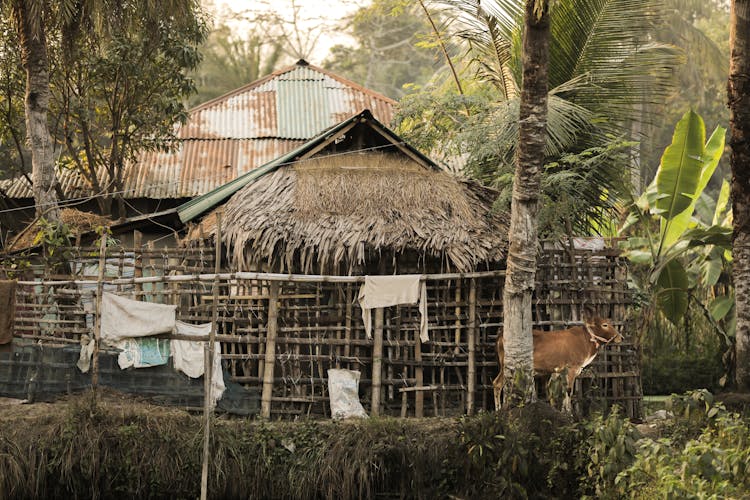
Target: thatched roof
<point>330,210</point>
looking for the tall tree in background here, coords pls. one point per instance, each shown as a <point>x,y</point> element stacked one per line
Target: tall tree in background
<point>107,53</point>
<point>701,29</point>
<point>30,17</point>
<point>393,48</point>
<point>739,141</point>
<point>122,93</point>
<point>231,60</point>
<point>518,342</point>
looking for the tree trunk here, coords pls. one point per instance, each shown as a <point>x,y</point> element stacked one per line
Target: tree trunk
<point>33,45</point>
<point>739,141</point>
<point>522,234</point>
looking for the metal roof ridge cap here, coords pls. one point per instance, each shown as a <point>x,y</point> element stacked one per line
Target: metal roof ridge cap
<point>352,84</point>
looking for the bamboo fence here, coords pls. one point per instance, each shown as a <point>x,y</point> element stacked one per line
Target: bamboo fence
<point>281,333</point>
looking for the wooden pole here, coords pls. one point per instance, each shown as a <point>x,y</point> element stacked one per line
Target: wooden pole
<point>270,360</point>
<point>472,340</point>
<point>377,361</point>
<point>98,313</point>
<point>419,376</point>
<point>209,362</point>
<point>138,258</point>
<point>457,349</point>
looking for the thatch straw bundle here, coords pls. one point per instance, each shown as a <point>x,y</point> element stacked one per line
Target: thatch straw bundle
<point>77,221</point>
<point>331,211</point>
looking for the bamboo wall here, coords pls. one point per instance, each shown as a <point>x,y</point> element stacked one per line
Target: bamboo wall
<point>314,323</point>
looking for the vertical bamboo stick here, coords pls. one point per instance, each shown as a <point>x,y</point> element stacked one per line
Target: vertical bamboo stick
<point>457,349</point>
<point>472,340</point>
<point>137,261</point>
<point>209,362</point>
<point>270,361</point>
<point>418,395</point>
<point>150,247</point>
<point>348,320</point>
<point>98,313</point>
<point>377,361</point>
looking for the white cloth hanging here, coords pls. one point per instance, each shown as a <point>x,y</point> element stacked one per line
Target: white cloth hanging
<point>385,291</point>
<point>122,321</point>
<point>188,357</point>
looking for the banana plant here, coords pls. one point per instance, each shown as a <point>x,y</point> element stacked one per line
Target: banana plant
<point>669,203</point>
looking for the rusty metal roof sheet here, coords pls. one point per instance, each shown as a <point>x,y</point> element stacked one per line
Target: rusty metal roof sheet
<point>237,132</point>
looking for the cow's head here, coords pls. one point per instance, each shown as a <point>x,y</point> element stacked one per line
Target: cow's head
<point>602,330</point>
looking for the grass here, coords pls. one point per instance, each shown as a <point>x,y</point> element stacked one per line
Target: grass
<point>121,448</point>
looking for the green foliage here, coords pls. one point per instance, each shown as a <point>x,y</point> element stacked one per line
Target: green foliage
<point>701,30</point>
<point>14,160</point>
<point>118,83</point>
<point>611,449</point>
<point>122,94</point>
<point>672,371</point>
<point>707,455</point>
<point>98,451</point>
<point>54,237</point>
<point>683,251</point>
<point>603,61</point>
<point>14,267</point>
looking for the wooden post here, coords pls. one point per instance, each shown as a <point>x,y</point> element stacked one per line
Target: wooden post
<point>138,261</point>
<point>419,375</point>
<point>457,349</point>
<point>472,340</point>
<point>209,362</point>
<point>270,361</point>
<point>377,361</point>
<point>98,312</point>
<point>348,320</point>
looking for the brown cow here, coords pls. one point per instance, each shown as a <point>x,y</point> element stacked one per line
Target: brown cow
<point>572,349</point>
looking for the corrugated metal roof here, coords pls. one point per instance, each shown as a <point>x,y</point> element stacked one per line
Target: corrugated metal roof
<point>199,205</point>
<point>235,133</point>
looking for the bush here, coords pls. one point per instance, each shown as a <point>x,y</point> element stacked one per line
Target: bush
<point>669,373</point>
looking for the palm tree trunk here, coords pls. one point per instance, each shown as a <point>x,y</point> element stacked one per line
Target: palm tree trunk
<point>523,232</point>
<point>33,45</point>
<point>739,141</point>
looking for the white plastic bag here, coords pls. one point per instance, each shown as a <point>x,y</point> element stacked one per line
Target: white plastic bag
<point>343,392</point>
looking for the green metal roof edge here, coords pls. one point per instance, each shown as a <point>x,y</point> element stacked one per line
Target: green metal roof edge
<point>200,204</point>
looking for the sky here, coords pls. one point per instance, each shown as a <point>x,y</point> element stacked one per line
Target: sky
<point>313,14</point>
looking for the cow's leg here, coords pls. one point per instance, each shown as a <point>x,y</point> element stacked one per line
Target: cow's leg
<point>571,379</point>
<point>497,385</point>
<point>555,389</point>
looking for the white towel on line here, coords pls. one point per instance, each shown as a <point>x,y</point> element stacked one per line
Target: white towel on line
<point>385,291</point>
<point>123,320</point>
<point>188,357</point>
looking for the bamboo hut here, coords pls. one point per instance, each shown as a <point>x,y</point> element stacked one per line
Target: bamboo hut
<point>300,235</point>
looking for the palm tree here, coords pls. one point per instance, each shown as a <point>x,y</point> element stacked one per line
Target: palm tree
<point>739,130</point>
<point>518,363</point>
<point>605,67</point>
